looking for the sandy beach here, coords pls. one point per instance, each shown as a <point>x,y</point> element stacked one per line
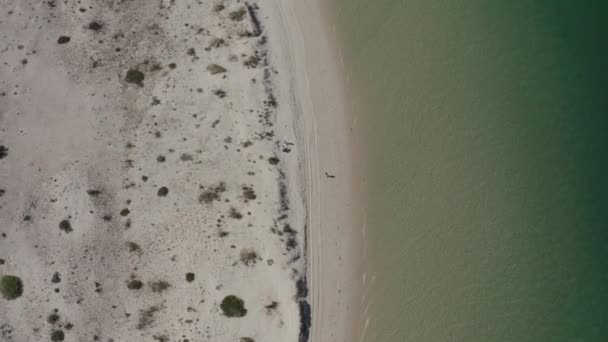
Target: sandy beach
<point>175,171</point>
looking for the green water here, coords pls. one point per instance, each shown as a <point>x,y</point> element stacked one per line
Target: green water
<point>487,124</point>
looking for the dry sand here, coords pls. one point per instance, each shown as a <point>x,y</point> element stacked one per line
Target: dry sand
<point>164,156</point>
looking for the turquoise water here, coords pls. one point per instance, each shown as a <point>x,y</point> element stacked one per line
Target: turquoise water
<point>487,125</point>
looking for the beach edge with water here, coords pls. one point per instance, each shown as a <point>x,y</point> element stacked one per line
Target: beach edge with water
<point>331,171</point>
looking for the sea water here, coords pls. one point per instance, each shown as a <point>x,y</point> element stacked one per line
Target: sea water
<point>487,129</point>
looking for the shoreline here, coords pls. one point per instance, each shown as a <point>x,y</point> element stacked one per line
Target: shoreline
<point>334,177</point>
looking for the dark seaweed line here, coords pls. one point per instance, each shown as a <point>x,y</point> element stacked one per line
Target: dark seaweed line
<point>271,106</point>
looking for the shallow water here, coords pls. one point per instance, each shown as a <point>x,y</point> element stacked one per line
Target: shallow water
<point>488,164</point>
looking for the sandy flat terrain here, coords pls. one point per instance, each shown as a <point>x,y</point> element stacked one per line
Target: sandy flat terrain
<point>159,157</point>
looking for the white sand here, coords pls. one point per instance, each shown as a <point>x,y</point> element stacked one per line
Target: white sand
<point>335,174</point>
<point>72,123</point>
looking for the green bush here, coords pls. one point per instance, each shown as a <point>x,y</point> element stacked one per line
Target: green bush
<point>233,306</point>
<point>11,287</point>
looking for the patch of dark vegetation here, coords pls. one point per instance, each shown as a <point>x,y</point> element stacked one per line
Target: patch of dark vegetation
<point>53,318</point>
<point>271,307</point>
<point>235,214</point>
<point>135,76</point>
<point>146,317</point>
<point>159,286</point>
<point>11,287</point>
<point>161,158</point>
<point>135,284</point>
<point>3,151</point>
<point>237,15</point>
<point>249,257</point>
<point>247,339</point>
<point>301,288</point>
<point>191,52</point>
<point>133,247</point>
<point>56,279</point>
<point>283,199</point>
<point>218,8</point>
<point>305,320</point>
<point>257,26</point>
<point>162,191</point>
<point>161,338</point>
<point>107,217</point>
<point>155,101</point>
<point>93,192</point>
<point>215,69</point>
<point>65,226</point>
<point>63,40</point>
<point>214,193</point>
<point>291,243</point>
<point>216,43</point>
<point>189,277</point>
<point>185,157</point>
<point>233,306</point>
<point>252,61</point>
<point>248,193</point>
<point>219,93</point>
<point>125,212</point>
<point>273,160</point>
<point>2,192</point>
<point>57,335</point>
<point>95,26</point>
<point>172,65</point>
<point>6,332</point>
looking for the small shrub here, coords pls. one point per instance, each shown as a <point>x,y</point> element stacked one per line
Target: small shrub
<point>235,214</point>
<point>57,335</point>
<point>95,26</point>
<point>159,286</point>
<point>216,43</point>
<point>248,257</point>
<point>135,76</point>
<point>11,287</point>
<point>135,284</point>
<point>66,226</point>
<point>213,193</point>
<point>162,191</point>
<point>215,69</point>
<point>248,193</point>
<point>53,318</point>
<point>189,277</point>
<point>237,15</point>
<point>233,306</point>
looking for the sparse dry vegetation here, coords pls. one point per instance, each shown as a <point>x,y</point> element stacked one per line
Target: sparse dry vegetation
<point>248,257</point>
<point>237,15</point>
<point>159,286</point>
<point>212,194</point>
<point>146,317</point>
